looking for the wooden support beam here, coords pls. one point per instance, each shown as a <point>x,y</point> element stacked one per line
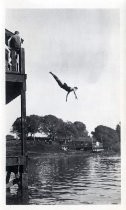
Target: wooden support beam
<point>15,77</point>
<point>24,175</point>
<point>24,187</point>
<point>22,61</point>
<point>23,102</point>
<point>23,119</point>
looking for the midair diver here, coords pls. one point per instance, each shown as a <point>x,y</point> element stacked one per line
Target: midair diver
<point>65,86</point>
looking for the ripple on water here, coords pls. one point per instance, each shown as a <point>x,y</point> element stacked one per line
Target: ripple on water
<point>74,179</point>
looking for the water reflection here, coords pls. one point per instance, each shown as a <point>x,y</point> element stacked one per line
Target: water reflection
<point>74,178</point>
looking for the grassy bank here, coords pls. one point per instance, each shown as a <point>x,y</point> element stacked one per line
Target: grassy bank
<point>13,147</point>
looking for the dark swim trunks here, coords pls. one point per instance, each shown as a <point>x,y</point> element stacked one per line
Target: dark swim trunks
<point>66,87</point>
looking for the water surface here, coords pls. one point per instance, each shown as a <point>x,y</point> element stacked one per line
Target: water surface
<point>74,178</point>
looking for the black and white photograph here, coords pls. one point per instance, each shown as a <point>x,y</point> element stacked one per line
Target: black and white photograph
<point>62,93</point>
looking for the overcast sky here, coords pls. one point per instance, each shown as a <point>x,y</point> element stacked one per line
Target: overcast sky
<point>82,48</point>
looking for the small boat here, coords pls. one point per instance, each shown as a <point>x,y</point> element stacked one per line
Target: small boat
<point>97,147</point>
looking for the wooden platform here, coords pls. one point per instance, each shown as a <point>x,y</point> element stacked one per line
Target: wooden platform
<point>16,160</point>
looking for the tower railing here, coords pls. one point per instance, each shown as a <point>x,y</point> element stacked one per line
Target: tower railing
<point>15,61</point>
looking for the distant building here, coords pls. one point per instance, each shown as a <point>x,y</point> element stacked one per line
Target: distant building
<point>9,137</point>
<point>80,143</point>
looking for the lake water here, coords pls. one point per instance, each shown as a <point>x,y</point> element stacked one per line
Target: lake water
<point>74,178</point>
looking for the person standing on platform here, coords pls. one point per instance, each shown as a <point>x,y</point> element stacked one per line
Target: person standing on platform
<point>15,42</point>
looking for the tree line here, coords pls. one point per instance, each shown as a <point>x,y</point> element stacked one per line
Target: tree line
<point>51,126</point>
<point>56,128</point>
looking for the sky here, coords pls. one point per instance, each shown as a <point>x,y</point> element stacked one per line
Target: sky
<point>81,46</point>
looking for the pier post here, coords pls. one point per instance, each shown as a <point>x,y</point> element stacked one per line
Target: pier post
<point>23,119</point>
<point>24,175</point>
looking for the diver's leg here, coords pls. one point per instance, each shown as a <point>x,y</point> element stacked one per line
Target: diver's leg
<point>57,79</point>
<point>75,95</point>
<point>67,96</point>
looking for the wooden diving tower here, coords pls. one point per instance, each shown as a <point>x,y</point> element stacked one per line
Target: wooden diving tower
<point>16,86</point>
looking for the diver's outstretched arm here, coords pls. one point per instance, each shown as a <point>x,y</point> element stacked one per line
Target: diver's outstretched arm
<point>57,79</point>
<point>67,96</point>
<point>75,95</point>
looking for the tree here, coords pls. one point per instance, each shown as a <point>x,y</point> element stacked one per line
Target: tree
<point>32,125</point>
<point>49,124</point>
<point>81,129</point>
<point>108,137</point>
<point>16,127</point>
<point>70,130</point>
